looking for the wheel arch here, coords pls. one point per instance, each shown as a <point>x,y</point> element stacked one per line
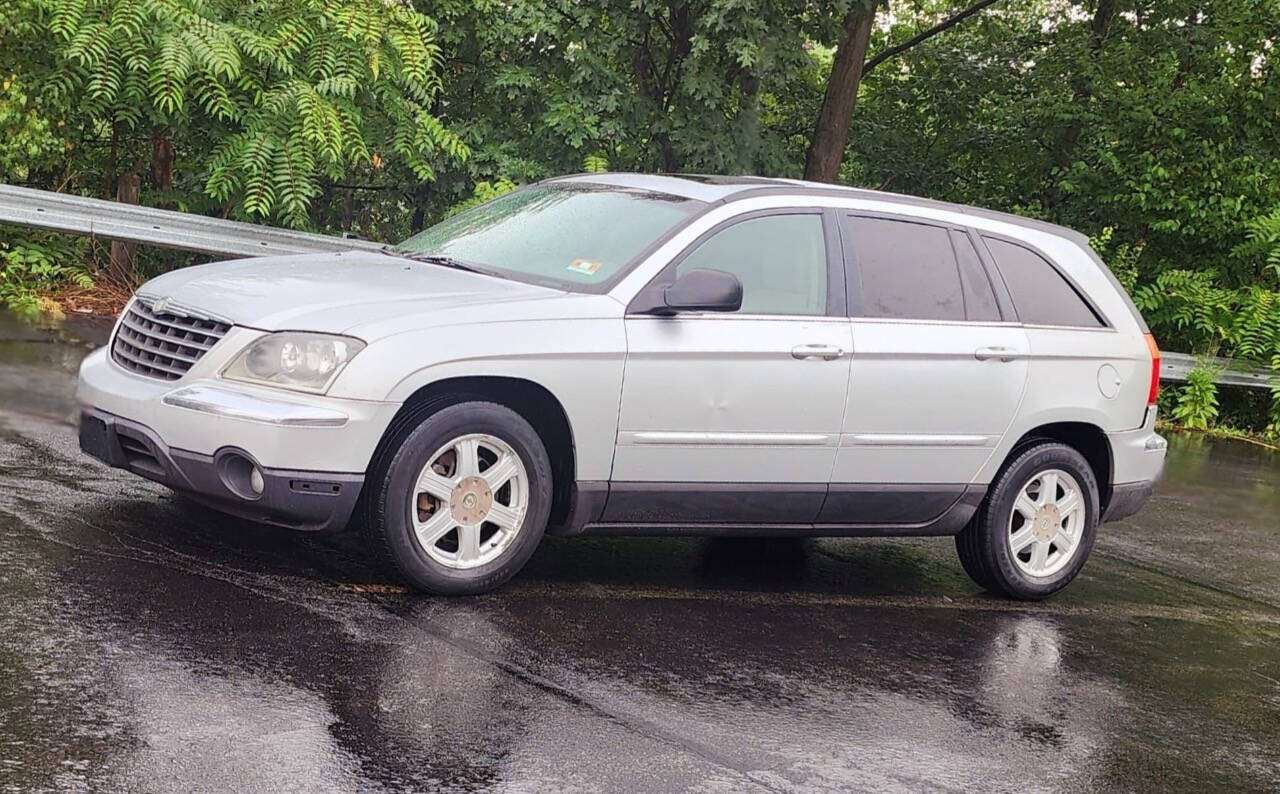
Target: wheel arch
<point>531,400</point>
<point>1084,437</point>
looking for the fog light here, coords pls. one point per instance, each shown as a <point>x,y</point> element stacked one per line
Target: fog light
<point>240,474</point>
<point>255,481</point>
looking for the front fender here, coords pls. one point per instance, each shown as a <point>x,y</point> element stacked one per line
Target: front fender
<point>579,361</point>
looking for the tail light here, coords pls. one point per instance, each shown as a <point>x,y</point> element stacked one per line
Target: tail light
<point>1155,369</point>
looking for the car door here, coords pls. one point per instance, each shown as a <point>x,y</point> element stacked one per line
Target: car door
<point>734,418</point>
<point>938,371</point>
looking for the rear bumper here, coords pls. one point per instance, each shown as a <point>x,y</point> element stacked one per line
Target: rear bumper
<point>1138,455</point>
<point>1128,499</point>
<point>303,500</point>
<point>1137,458</point>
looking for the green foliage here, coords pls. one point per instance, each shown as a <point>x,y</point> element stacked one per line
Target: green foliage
<point>1272,430</point>
<point>267,103</point>
<point>31,265</point>
<point>484,191</point>
<point>1243,322</point>
<point>1167,129</point>
<point>542,88</point>
<point>1197,402</point>
<point>1263,242</point>
<point>595,163</point>
<point>1122,258</point>
<point>27,136</point>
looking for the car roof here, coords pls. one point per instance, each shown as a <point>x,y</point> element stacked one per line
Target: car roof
<point>713,188</point>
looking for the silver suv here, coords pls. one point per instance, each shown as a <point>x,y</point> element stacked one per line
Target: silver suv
<point>672,355</point>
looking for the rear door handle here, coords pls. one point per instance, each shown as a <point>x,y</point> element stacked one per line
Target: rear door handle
<point>1005,354</point>
<point>824,352</point>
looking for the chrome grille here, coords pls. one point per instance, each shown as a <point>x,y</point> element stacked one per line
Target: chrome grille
<point>163,344</point>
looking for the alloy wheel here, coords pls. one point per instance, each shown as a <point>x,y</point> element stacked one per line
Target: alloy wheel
<point>1047,523</point>
<point>469,501</point>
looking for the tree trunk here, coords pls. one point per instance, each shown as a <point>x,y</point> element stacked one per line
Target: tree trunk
<point>120,271</point>
<point>661,86</point>
<point>747,121</point>
<point>347,217</point>
<point>162,158</point>
<point>109,178</point>
<point>418,197</point>
<point>831,132</point>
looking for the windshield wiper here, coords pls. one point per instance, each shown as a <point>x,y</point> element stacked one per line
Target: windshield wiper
<point>444,260</point>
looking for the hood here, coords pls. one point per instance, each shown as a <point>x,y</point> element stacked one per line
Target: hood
<point>335,293</point>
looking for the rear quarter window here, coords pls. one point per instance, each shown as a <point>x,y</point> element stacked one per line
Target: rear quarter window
<point>1041,295</point>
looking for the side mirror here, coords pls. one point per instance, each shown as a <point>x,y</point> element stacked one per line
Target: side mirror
<point>703,290</point>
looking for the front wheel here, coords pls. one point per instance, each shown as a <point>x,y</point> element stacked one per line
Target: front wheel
<point>463,502</point>
<point>1035,529</point>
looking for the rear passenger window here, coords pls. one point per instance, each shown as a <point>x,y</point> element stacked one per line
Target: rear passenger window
<point>908,269</point>
<point>1040,293</point>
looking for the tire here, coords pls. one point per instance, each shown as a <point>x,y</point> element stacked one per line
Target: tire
<point>401,512</point>
<point>1024,543</point>
<point>967,548</point>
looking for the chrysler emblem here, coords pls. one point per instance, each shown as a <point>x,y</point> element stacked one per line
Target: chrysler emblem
<point>165,306</point>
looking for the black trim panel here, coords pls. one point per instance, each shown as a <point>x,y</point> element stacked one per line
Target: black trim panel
<point>756,509</point>
<point>1128,499</point>
<point>884,503</point>
<point>586,503</point>
<point>1007,311</point>
<point>684,502</point>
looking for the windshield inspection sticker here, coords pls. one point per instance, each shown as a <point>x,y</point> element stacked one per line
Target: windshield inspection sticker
<point>584,266</point>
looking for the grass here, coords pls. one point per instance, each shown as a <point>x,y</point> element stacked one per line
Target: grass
<point>1224,431</point>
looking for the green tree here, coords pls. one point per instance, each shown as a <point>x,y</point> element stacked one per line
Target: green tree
<point>536,87</point>
<point>258,107</point>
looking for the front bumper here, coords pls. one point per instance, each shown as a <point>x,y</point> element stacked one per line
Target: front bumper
<point>195,433</point>
<point>202,414</point>
<point>305,500</point>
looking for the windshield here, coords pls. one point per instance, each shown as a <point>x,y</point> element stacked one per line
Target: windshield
<point>572,236</point>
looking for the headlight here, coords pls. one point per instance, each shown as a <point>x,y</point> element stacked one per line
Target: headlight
<point>293,360</point>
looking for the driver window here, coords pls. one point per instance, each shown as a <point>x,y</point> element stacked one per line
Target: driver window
<point>781,261</point>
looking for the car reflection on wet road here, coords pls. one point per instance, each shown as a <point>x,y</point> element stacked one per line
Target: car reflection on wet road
<point>147,644</point>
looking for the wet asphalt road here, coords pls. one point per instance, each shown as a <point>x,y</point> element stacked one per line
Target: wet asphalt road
<point>148,645</point>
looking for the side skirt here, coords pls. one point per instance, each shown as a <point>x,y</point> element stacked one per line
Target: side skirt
<point>847,510</point>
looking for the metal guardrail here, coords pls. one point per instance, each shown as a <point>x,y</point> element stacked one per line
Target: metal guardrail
<point>1176,366</point>
<point>114,220</point>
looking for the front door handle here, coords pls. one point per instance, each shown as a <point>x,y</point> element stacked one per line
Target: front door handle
<point>824,352</point>
<point>1005,354</point>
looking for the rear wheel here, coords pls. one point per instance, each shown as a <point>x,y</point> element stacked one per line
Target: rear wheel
<point>463,502</point>
<point>1035,529</point>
